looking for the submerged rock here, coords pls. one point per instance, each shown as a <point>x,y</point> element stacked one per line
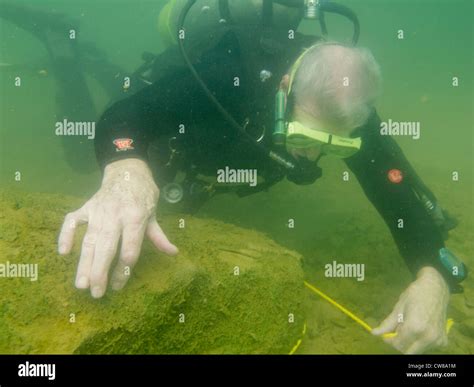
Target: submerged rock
<point>230,290</point>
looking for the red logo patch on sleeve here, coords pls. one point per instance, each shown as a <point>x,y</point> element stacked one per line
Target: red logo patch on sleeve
<point>123,144</point>
<point>395,176</point>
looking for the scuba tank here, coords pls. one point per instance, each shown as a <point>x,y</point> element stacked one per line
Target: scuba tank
<point>207,15</point>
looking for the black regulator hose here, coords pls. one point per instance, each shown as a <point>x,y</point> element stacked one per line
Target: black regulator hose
<point>280,159</point>
<point>191,67</point>
<point>343,11</point>
<point>300,172</point>
<point>328,6</point>
<point>322,24</point>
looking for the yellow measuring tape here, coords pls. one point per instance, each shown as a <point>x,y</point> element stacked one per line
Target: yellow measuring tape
<point>367,327</point>
<point>347,312</point>
<point>298,343</point>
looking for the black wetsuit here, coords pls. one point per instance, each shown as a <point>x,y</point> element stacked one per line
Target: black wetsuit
<point>175,99</point>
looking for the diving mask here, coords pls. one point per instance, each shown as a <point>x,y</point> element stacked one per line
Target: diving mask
<point>300,137</point>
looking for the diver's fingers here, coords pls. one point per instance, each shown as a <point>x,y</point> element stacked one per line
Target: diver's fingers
<point>132,238</point>
<point>418,346</point>
<point>443,341</point>
<point>104,254</point>
<point>388,325</point>
<point>68,229</point>
<point>414,338</point>
<point>411,338</point>
<point>88,248</point>
<point>159,239</point>
<point>403,339</point>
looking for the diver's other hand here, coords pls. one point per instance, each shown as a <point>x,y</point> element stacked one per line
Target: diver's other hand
<point>123,208</point>
<point>422,308</point>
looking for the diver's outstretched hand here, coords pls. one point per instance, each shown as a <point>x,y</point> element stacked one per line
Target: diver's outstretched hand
<point>419,317</point>
<point>123,208</point>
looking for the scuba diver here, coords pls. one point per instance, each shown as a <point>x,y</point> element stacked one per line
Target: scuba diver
<point>241,89</point>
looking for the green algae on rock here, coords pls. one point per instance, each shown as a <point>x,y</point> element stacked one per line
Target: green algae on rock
<point>229,290</point>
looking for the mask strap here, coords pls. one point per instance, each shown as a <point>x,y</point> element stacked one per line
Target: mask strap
<point>298,61</point>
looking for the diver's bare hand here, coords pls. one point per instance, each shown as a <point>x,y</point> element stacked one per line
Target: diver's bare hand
<point>419,317</point>
<point>124,207</point>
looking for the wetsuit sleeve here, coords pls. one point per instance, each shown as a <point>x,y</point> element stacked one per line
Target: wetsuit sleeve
<point>416,235</point>
<point>127,127</point>
<point>120,134</point>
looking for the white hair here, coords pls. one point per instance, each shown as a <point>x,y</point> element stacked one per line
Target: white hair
<point>337,85</point>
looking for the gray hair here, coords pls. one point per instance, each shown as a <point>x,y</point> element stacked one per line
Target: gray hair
<point>337,85</point>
